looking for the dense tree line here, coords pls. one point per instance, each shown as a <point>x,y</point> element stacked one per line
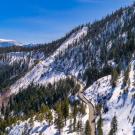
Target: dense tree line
<point>93,52</point>
<point>10,73</point>
<point>92,74</point>
<point>102,44</point>
<point>39,101</point>
<point>35,95</point>
<point>47,48</point>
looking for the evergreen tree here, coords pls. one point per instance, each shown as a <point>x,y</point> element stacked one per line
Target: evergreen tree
<point>87,128</point>
<point>98,109</point>
<point>59,117</point>
<point>126,76</point>
<point>71,125</point>
<point>74,113</point>
<point>113,126</point>
<point>65,109</point>
<point>99,126</point>
<point>40,117</point>
<point>82,109</point>
<point>79,127</point>
<point>44,108</point>
<point>31,122</point>
<point>3,109</point>
<point>49,117</point>
<point>114,77</point>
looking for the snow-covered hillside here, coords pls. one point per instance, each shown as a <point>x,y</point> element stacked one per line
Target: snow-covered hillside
<point>24,57</point>
<point>36,127</point>
<point>92,46</point>
<point>100,55</point>
<point>42,72</point>
<point>120,101</point>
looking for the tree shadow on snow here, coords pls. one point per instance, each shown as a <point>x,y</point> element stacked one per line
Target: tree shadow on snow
<point>44,128</point>
<point>124,97</point>
<point>133,103</point>
<point>36,130</point>
<point>134,131</point>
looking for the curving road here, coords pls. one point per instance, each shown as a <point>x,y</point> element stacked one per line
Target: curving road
<point>91,112</point>
<point>91,107</point>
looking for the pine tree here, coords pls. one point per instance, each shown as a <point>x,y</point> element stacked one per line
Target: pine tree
<point>48,114</point>
<point>99,126</point>
<point>98,109</point>
<point>114,77</point>
<point>44,108</point>
<point>82,109</point>
<point>3,109</point>
<point>126,76</point>
<point>79,127</point>
<point>65,109</point>
<point>113,126</point>
<point>59,117</point>
<point>49,117</point>
<point>74,113</point>
<point>31,122</point>
<point>40,117</point>
<point>87,128</point>
<point>71,125</point>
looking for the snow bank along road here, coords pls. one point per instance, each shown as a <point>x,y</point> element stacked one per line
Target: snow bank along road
<point>91,112</point>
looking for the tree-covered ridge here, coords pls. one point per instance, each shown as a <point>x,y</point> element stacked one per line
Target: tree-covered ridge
<point>47,48</point>
<point>30,99</point>
<point>10,73</point>
<point>63,111</point>
<point>110,40</point>
<point>37,102</point>
<point>108,48</point>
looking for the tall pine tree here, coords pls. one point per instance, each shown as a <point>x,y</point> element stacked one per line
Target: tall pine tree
<point>87,128</point>
<point>113,126</point>
<point>99,126</point>
<point>59,118</point>
<point>65,109</point>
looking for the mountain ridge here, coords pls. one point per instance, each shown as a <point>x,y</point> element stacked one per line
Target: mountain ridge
<point>101,55</point>
<point>8,43</point>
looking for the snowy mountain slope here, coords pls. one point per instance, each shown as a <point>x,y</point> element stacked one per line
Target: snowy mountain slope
<point>25,57</point>
<point>37,127</point>
<point>91,52</point>
<point>92,46</point>
<point>99,89</point>
<point>45,66</point>
<point>7,43</point>
<point>120,101</point>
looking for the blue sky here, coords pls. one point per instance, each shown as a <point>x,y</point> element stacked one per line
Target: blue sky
<point>38,21</point>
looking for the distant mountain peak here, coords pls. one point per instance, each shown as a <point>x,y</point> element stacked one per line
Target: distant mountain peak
<point>8,42</point>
